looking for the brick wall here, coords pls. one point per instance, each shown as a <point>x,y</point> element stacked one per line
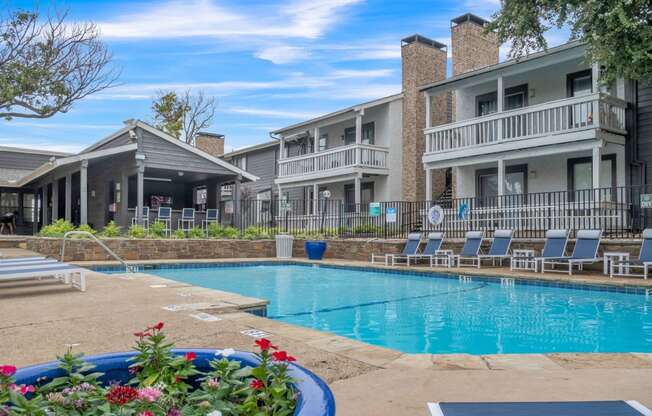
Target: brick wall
<point>472,47</point>
<point>213,144</point>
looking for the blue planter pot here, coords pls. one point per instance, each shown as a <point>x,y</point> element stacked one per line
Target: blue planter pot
<point>315,398</point>
<point>315,249</point>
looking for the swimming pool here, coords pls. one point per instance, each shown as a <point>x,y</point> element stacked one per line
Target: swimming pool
<point>420,313</point>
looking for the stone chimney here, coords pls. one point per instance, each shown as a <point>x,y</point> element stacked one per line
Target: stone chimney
<point>211,143</point>
<point>423,62</point>
<point>472,47</point>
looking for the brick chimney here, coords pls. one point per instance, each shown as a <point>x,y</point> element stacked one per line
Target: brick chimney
<point>423,62</point>
<point>211,143</point>
<point>472,47</point>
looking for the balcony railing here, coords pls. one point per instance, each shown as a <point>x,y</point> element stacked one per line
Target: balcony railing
<point>595,111</point>
<point>360,155</point>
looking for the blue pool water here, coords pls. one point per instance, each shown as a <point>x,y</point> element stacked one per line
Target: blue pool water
<point>430,314</point>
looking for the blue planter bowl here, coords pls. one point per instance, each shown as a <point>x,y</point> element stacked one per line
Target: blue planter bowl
<point>315,249</point>
<point>315,398</point>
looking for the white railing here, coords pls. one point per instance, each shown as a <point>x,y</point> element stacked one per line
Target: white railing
<point>362,155</point>
<point>560,116</point>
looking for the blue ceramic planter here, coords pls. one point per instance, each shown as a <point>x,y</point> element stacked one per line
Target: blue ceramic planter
<point>315,249</point>
<point>315,398</point>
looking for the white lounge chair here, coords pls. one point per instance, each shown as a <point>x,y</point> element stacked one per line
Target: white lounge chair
<point>553,248</point>
<point>22,259</point>
<point>433,246</point>
<point>644,261</point>
<point>471,248</point>
<point>587,408</point>
<point>61,271</point>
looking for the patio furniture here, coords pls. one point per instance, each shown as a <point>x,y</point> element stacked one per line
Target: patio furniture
<point>592,408</point>
<point>471,248</point>
<point>211,218</point>
<point>144,221</point>
<point>187,220</point>
<point>620,258</point>
<point>554,247</point>
<point>19,259</point>
<point>411,247</point>
<point>584,252</point>
<point>523,259</point>
<point>165,216</point>
<point>433,245</point>
<point>62,271</point>
<point>19,263</point>
<point>644,261</point>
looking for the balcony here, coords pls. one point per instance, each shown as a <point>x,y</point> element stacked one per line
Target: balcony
<point>336,161</point>
<point>560,118</point>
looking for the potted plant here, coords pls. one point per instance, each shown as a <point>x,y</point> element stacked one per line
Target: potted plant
<point>157,380</point>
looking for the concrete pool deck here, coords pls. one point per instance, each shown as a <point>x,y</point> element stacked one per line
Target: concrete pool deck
<point>40,318</point>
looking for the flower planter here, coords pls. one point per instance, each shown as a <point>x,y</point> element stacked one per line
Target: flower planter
<point>315,398</point>
<point>315,249</point>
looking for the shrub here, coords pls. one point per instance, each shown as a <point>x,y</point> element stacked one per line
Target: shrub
<point>231,233</point>
<point>256,233</point>
<point>57,228</point>
<point>136,231</point>
<point>367,229</point>
<point>157,230</point>
<point>215,230</point>
<point>179,234</point>
<point>196,232</point>
<point>111,230</point>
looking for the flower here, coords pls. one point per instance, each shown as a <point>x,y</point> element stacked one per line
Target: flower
<point>145,413</point>
<point>121,394</point>
<point>149,394</point>
<point>190,356</point>
<point>264,344</point>
<point>23,389</point>
<point>282,356</point>
<point>174,412</point>
<point>256,384</point>
<point>158,326</point>
<point>142,335</point>
<point>213,383</point>
<point>7,370</point>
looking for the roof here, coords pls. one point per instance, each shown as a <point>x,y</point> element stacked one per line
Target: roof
<point>252,148</point>
<point>505,64</point>
<point>207,134</point>
<point>32,151</point>
<point>422,39</point>
<point>469,17</point>
<point>357,107</point>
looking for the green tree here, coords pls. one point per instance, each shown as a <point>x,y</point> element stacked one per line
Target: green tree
<point>618,33</point>
<point>46,65</point>
<point>169,111</point>
<point>183,115</point>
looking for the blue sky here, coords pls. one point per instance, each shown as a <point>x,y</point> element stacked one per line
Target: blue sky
<point>268,64</point>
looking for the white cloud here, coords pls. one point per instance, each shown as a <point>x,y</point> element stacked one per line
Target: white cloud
<point>283,54</point>
<point>274,113</point>
<point>68,126</point>
<point>360,73</point>
<point>41,144</point>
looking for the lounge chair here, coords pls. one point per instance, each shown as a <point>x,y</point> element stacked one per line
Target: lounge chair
<point>62,271</point>
<point>643,262</point>
<point>593,408</point>
<point>431,249</point>
<point>471,248</point>
<point>553,248</point>
<point>19,259</point>
<point>19,263</point>
<point>411,247</point>
<point>584,252</point>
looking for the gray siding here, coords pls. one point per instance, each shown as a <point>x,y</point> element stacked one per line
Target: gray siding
<point>162,154</point>
<point>644,126</point>
<point>262,163</point>
<point>121,140</point>
<point>21,161</point>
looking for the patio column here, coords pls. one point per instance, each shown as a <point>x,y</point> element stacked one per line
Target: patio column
<point>595,77</point>
<point>428,184</point>
<point>68,198</point>
<point>281,154</point>
<point>83,192</point>
<point>315,143</point>
<point>55,200</point>
<point>500,93</point>
<point>358,136</point>
<point>595,164</point>
<point>140,192</point>
<point>428,110</point>
<point>357,190</point>
<point>44,206</point>
<point>501,177</point>
<point>124,200</point>
<point>315,199</point>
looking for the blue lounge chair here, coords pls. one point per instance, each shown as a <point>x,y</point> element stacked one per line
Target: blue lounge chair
<point>594,408</point>
<point>553,248</point>
<point>643,262</point>
<point>411,247</point>
<point>499,250</point>
<point>584,252</point>
<point>435,241</point>
<point>471,248</point>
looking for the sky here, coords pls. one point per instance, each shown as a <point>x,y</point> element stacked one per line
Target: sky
<point>268,64</point>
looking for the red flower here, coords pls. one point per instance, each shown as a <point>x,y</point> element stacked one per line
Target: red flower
<point>121,394</point>
<point>146,413</point>
<point>23,389</point>
<point>7,370</point>
<point>142,335</point>
<point>190,356</point>
<point>178,379</point>
<point>256,384</point>
<point>264,344</point>
<point>282,356</point>
<point>158,326</point>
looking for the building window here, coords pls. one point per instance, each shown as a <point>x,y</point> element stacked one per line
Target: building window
<point>580,173</point>
<point>486,104</point>
<point>368,133</point>
<point>349,135</point>
<point>323,142</point>
<point>366,196</point>
<point>487,182</point>
<point>516,97</point>
<point>579,83</point>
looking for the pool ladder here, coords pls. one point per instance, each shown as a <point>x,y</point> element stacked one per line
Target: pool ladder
<point>128,268</point>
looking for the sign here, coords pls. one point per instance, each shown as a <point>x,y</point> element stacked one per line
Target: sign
<point>374,209</point>
<point>462,211</point>
<point>228,207</point>
<point>285,207</point>
<point>435,215</point>
<point>390,214</point>
<point>646,200</point>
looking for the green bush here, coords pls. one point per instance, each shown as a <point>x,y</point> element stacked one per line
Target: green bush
<point>196,232</point>
<point>136,231</point>
<point>56,229</point>
<point>84,227</point>
<point>157,230</point>
<point>179,234</point>
<point>215,230</point>
<point>111,230</point>
<point>367,229</point>
<point>231,233</point>
<point>256,233</point>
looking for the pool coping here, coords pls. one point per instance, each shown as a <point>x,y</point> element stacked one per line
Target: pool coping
<point>383,357</point>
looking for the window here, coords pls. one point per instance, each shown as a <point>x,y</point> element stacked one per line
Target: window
<point>349,135</point>
<point>323,142</point>
<point>486,104</point>
<point>487,182</point>
<point>516,97</point>
<point>368,134</point>
<point>28,207</point>
<point>580,173</point>
<point>579,83</point>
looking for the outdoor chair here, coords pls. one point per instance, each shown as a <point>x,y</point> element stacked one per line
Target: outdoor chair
<point>145,219</point>
<point>20,259</point>
<point>61,271</point>
<point>584,252</point>
<point>553,248</point>
<point>471,248</point>
<point>165,216</point>
<point>644,261</point>
<point>187,220</point>
<point>499,250</point>
<point>430,251</point>
<point>587,408</point>
<point>211,218</point>
<point>411,247</point>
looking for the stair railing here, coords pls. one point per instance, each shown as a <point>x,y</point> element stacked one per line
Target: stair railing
<point>128,268</point>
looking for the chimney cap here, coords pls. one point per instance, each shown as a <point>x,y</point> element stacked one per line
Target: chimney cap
<point>207,134</point>
<point>469,17</point>
<point>424,40</point>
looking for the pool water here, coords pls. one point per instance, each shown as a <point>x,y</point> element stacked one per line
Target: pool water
<point>435,314</point>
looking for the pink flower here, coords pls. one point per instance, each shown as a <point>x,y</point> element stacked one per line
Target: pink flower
<point>149,394</point>
<point>190,356</point>
<point>7,370</point>
<point>146,413</point>
<point>256,384</point>
<point>23,389</point>
<point>282,356</point>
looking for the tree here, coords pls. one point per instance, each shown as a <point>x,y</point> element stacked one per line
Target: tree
<point>618,33</point>
<point>183,116</point>
<point>47,66</point>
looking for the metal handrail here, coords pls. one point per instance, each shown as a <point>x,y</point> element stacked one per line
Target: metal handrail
<point>128,268</point>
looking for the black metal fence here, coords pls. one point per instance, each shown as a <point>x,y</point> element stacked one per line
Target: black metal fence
<point>621,212</point>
